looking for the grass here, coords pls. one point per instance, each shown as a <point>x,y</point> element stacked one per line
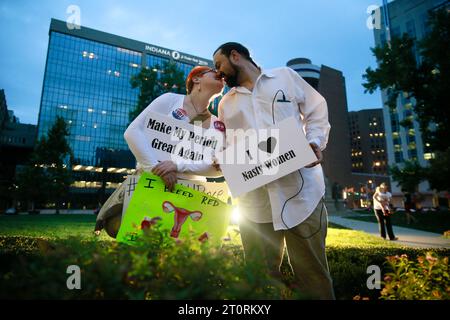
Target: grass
<point>437,222</point>
<point>82,226</point>
<point>29,242</point>
<point>49,226</point>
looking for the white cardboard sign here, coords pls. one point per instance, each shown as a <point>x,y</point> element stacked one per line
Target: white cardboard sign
<point>265,156</point>
<point>177,140</point>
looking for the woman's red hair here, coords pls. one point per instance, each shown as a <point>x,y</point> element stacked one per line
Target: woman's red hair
<point>196,71</point>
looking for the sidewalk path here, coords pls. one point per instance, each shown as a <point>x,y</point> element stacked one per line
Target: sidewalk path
<point>407,237</point>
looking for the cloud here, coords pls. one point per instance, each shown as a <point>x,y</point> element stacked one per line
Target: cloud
<point>142,25</point>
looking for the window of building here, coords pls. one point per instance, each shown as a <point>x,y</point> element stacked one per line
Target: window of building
<point>396,32</point>
<point>411,28</point>
<point>398,156</point>
<point>410,140</point>
<point>412,154</point>
<point>428,156</point>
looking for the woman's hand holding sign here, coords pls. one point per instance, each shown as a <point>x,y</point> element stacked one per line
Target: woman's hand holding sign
<point>164,167</point>
<point>167,170</point>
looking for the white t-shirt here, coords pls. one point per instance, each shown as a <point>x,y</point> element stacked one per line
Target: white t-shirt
<point>384,196</point>
<point>170,104</point>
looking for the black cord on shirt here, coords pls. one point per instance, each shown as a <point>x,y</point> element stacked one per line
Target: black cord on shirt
<point>301,187</point>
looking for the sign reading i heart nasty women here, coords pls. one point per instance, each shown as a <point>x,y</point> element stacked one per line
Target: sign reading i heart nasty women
<point>177,140</point>
<point>263,156</point>
<point>182,211</point>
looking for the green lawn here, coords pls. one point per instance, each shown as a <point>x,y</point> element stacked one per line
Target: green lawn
<point>35,250</point>
<point>49,226</point>
<point>437,222</point>
<point>65,226</point>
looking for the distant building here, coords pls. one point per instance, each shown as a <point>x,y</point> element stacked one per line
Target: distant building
<point>16,145</point>
<point>87,82</point>
<point>398,17</point>
<point>368,142</point>
<point>3,109</point>
<point>330,83</point>
<point>12,118</point>
<point>18,135</point>
<point>368,154</point>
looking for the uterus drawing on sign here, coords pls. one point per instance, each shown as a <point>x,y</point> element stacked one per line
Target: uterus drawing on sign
<point>180,216</point>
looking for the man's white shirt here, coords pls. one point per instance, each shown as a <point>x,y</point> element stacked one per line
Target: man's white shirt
<point>257,109</point>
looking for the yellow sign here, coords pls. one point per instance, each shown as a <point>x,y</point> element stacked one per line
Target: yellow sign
<point>182,211</point>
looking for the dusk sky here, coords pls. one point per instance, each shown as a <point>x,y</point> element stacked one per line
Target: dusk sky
<point>333,33</point>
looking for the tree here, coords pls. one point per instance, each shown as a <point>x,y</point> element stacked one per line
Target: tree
<point>32,184</point>
<point>58,158</point>
<point>153,82</point>
<point>409,176</point>
<point>426,82</point>
<point>48,175</point>
<point>438,172</point>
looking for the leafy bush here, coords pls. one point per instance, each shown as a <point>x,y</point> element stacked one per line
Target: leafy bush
<point>426,279</point>
<point>348,268</point>
<point>161,268</point>
<point>158,267</point>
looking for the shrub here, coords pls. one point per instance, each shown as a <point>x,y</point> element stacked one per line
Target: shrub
<point>160,268</point>
<point>426,279</point>
<point>348,267</point>
<point>157,267</point>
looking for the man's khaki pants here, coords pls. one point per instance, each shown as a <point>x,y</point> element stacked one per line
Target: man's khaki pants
<point>305,246</point>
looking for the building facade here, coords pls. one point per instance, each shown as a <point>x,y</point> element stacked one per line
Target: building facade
<point>368,142</point>
<point>16,145</point>
<point>330,83</point>
<point>368,156</point>
<point>87,82</point>
<point>3,109</point>
<point>402,144</point>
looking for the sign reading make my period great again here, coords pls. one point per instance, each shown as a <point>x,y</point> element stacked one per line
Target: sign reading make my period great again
<point>176,140</point>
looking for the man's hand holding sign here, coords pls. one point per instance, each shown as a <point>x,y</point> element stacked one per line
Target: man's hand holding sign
<point>263,156</point>
<point>318,153</point>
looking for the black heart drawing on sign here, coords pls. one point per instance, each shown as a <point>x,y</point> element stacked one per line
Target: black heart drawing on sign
<point>269,145</point>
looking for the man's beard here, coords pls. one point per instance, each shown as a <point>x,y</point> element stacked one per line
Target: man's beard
<point>232,81</point>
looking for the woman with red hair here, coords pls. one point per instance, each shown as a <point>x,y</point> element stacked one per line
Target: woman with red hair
<point>202,85</point>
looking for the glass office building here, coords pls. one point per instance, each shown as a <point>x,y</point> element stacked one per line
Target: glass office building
<point>87,82</point>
